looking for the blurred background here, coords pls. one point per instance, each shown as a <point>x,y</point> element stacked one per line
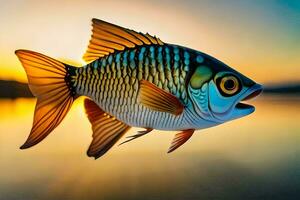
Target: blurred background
<point>256,157</point>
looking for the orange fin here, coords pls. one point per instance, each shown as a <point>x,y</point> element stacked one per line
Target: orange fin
<point>180,139</point>
<point>158,99</point>
<point>107,38</point>
<point>47,81</point>
<point>106,129</point>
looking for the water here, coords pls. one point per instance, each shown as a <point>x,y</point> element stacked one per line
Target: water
<point>257,157</point>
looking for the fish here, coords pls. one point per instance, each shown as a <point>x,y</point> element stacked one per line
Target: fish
<point>133,79</point>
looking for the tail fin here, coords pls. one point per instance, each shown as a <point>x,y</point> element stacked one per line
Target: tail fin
<point>49,81</point>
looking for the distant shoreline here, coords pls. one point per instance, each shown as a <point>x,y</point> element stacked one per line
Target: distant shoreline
<point>15,89</point>
<point>286,89</point>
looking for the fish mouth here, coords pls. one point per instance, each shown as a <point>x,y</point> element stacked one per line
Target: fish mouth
<point>253,92</point>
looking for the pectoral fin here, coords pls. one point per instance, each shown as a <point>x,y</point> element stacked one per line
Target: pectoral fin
<point>180,139</point>
<point>158,99</point>
<point>107,130</point>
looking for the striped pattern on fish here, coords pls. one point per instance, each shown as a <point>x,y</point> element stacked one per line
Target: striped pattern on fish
<point>135,79</point>
<point>113,82</point>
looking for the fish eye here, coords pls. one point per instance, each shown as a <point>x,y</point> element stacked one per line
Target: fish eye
<point>229,85</point>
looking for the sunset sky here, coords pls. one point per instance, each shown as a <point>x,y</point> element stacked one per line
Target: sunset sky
<point>258,38</point>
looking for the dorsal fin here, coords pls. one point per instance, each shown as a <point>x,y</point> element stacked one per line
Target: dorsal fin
<point>107,38</point>
<point>107,130</point>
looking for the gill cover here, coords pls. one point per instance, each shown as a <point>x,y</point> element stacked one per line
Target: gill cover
<point>198,89</point>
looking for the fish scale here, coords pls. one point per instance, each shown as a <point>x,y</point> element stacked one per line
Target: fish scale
<point>115,79</point>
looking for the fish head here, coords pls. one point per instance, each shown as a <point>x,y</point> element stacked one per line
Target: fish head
<point>217,91</point>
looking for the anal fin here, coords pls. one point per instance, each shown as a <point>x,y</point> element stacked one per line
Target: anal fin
<point>180,139</point>
<point>107,130</point>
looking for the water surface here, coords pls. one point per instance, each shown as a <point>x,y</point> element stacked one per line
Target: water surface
<point>257,157</point>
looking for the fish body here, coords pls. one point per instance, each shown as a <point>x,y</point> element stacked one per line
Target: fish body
<point>113,82</point>
<point>135,79</point>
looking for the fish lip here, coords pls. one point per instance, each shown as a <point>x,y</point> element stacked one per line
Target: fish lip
<point>238,109</point>
<point>251,93</point>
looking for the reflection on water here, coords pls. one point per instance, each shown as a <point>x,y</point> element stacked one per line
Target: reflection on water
<point>257,157</point>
